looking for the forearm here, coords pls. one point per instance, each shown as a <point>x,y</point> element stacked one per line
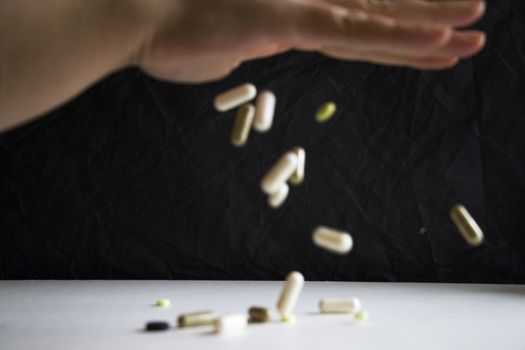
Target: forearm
<point>52,49</point>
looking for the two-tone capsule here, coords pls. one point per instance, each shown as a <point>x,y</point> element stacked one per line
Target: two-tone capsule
<point>265,110</point>
<point>279,173</point>
<point>235,97</point>
<point>297,177</point>
<point>466,225</point>
<point>195,319</point>
<point>232,323</point>
<point>340,305</point>
<point>242,125</point>
<point>259,314</point>
<point>290,293</point>
<point>332,240</point>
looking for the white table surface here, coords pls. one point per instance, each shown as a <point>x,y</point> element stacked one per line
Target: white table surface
<point>111,314</point>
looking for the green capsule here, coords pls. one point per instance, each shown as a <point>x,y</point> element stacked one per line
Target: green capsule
<point>325,112</point>
<point>194,319</point>
<point>242,125</point>
<point>466,225</point>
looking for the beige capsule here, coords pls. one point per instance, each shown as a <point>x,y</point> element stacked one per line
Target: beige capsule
<point>333,240</point>
<point>242,125</point>
<point>466,225</point>
<point>279,173</point>
<point>277,199</point>
<point>235,97</point>
<point>265,110</point>
<point>290,293</point>
<point>259,314</point>
<point>195,319</point>
<point>340,305</point>
<point>297,177</point>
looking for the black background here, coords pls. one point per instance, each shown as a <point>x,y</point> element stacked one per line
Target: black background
<point>136,178</point>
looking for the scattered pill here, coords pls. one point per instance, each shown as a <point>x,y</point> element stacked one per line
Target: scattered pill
<point>333,240</point>
<point>288,318</point>
<point>340,305</point>
<point>163,303</point>
<point>275,200</point>
<point>279,173</point>
<point>153,326</point>
<point>361,315</point>
<point>290,293</point>
<point>235,97</point>
<point>466,225</point>
<point>325,112</point>
<point>265,110</point>
<point>259,314</point>
<point>242,125</point>
<point>195,319</point>
<point>232,323</point>
<point>297,177</point>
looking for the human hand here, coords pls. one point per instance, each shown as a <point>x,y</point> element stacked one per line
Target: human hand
<point>202,40</point>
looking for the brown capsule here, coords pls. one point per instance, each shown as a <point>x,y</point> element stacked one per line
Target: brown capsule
<point>259,314</point>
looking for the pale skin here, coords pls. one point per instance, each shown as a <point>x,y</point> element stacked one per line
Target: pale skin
<point>51,50</point>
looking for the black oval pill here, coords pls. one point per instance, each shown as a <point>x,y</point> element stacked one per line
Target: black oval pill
<point>157,326</point>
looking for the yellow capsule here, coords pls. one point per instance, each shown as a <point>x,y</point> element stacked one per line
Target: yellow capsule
<point>259,314</point>
<point>242,125</point>
<point>325,112</point>
<point>297,177</point>
<point>288,318</point>
<point>163,303</point>
<point>194,319</point>
<point>361,315</point>
<point>466,225</point>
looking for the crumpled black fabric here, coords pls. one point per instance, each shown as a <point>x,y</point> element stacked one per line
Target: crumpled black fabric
<point>136,178</point>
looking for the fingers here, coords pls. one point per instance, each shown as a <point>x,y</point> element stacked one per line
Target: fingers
<point>453,12</point>
<point>316,26</point>
<point>463,44</point>
<point>427,63</point>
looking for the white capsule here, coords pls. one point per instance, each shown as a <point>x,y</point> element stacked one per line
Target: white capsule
<point>279,173</point>
<point>297,177</point>
<point>290,293</point>
<point>264,111</point>
<point>333,240</point>
<point>275,200</point>
<point>340,305</point>
<point>235,97</point>
<point>232,323</point>
<point>466,225</point>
